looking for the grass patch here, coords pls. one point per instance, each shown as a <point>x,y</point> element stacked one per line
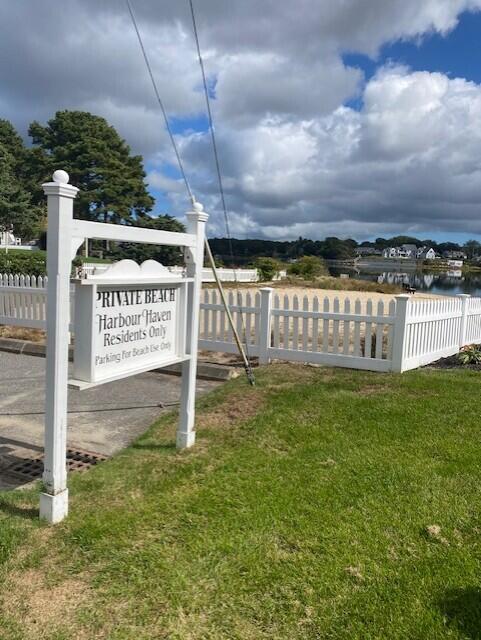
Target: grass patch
<point>321,504</point>
<point>341,284</point>
<point>323,282</point>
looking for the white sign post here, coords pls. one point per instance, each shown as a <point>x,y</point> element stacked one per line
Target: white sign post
<point>128,319</point>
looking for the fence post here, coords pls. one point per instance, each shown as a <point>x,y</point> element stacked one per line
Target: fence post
<point>265,324</point>
<point>400,326</point>
<point>60,196</point>
<point>464,310</point>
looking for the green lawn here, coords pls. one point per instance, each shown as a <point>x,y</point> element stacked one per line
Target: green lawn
<point>321,504</point>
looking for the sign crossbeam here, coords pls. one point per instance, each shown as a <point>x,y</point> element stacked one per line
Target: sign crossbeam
<point>127,320</point>
<point>123,233</point>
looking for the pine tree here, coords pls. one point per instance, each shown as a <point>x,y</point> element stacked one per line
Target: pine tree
<point>16,207</point>
<point>13,144</point>
<point>99,162</point>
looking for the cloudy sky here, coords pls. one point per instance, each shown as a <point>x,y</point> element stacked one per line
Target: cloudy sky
<point>355,118</point>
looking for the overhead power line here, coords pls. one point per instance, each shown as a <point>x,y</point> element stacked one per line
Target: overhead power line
<point>249,372</point>
<point>159,100</point>
<point>245,356</point>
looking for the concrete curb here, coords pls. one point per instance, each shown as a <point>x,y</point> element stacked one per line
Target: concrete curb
<point>205,370</point>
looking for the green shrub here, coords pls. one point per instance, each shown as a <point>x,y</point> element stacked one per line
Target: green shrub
<point>470,354</point>
<point>267,268</point>
<point>25,262</point>
<point>308,268</point>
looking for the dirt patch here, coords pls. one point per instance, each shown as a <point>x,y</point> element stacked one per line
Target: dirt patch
<point>43,608</point>
<point>452,362</point>
<point>371,389</point>
<point>22,333</point>
<point>237,409</point>
<point>38,600</point>
<point>248,402</point>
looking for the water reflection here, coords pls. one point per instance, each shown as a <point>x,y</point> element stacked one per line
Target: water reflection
<point>447,282</point>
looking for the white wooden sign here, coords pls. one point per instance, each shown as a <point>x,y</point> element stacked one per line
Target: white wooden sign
<point>128,319</point>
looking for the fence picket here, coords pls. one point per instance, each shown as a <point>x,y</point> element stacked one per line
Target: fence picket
<point>315,324</point>
<point>214,317</point>
<point>276,322</point>
<point>390,330</point>
<point>325,327</point>
<point>295,324</point>
<point>357,330</point>
<point>205,333</point>
<point>346,328</point>
<point>285,323</point>
<point>248,319</point>
<point>305,324</point>
<point>257,319</point>
<point>379,330</point>
<point>368,334</point>
<point>335,328</point>
<point>239,317</point>
<point>230,333</point>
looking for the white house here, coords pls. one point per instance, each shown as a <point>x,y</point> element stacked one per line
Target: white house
<point>404,251</point>
<point>455,255</point>
<point>426,253</point>
<point>410,251</point>
<point>455,264</point>
<point>7,239</point>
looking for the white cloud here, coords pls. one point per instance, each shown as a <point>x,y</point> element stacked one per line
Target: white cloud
<point>295,160</point>
<point>408,160</point>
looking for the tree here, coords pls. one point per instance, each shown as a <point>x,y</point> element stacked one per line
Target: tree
<point>110,179</point>
<point>142,252</point>
<point>336,249</point>
<point>267,268</point>
<point>16,208</point>
<point>12,143</point>
<point>308,268</point>
<point>472,248</point>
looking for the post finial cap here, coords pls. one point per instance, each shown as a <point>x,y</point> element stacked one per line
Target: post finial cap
<point>61,177</point>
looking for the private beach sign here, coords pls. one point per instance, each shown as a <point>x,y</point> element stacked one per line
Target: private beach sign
<point>128,319</point>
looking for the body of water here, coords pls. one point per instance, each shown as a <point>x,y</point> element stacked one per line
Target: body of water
<point>448,283</point>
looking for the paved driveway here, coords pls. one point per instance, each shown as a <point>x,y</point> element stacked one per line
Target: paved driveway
<point>102,419</point>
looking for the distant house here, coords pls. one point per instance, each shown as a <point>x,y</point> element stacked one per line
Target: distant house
<point>426,253</point>
<point>410,251</point>
<point>455,255</point>
<point>404,251</point>
<point>455,264</point>
<point>7,239</point>
<point>368,251</point>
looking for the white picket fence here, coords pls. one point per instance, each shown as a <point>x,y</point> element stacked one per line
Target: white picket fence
<point>23,300</point>
<point>402,334</point>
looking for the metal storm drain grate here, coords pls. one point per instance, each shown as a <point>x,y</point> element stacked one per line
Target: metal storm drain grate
<point>32,468</point>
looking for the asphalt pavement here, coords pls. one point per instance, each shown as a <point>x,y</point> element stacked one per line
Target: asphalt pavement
<point>101,419</point>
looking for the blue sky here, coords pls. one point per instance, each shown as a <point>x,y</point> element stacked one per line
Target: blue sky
<point>456,54</point>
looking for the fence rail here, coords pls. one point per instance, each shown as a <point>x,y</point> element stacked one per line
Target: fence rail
<point>402,334</point>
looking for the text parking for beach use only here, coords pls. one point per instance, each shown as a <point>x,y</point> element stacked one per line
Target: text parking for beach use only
<point>128,319</point>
